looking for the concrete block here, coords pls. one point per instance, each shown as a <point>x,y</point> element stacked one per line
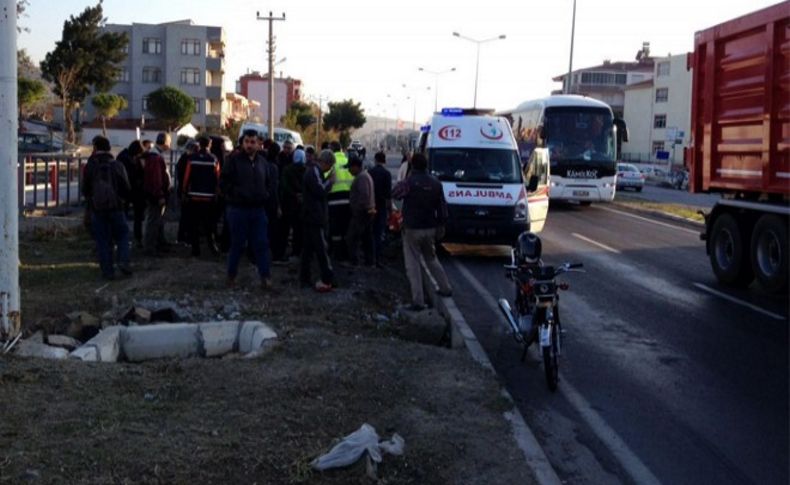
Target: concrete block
<point>63,341</point>
<point>253,335</point>
<point>26,348</point>
<point>104,347</point>
<point>160,341</point>
<point>219,338</point>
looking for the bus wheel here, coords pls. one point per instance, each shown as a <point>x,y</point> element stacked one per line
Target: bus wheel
<point>729,255</point>
<point>769,253</point>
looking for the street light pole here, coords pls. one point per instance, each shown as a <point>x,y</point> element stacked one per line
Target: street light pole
<point>477,65</point>
<point>271,19</point>
<point>570,62</point>
<point>436,75</point>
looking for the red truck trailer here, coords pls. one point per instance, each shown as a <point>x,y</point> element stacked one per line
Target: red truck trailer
<point>740,125</point>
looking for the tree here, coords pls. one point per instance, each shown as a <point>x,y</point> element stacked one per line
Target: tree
<point>171,106</point>
<point>21,5</point>
<point>301,115</point>
<point>29,93</point>
<point>85,58</point>
<point>107,106</point>
<point>344,116</point>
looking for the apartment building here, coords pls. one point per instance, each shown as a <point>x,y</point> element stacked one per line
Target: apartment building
<point>658,113</point>
<point>255,87</point>
<point>607,82</point>
<point>181,54</point>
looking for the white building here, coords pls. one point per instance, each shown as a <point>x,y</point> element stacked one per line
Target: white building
<point>658,112</point>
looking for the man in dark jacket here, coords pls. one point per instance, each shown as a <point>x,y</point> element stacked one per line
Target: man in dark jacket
<point>190,148</point>
<point>130,157</point>
<point>156,185</point>
<point>315,217</point>
<point>292,194</point>
<point>200,186</point>
<point>106,188</point>
<point>424,216</point>
<point>382,185</point>
<point>248,188</point>
<point>363,210</point>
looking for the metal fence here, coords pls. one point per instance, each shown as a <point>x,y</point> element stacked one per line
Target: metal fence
<point>47,181</point>
<point>54,180</point>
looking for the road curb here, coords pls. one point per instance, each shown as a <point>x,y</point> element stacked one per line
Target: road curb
<point>660,214</point>
<point>461,335</point>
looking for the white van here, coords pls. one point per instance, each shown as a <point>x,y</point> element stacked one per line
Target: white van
<point>491,196</point>
<point>281,135</point>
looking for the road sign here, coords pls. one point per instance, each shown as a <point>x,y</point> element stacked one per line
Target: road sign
<point>662,155</point>
<point>671,133</point>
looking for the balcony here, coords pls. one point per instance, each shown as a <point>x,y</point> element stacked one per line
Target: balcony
<point>214,92</point>
<point>215,64</point>
<point>213,121</point>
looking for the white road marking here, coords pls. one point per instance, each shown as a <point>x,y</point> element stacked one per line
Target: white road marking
<point>596,243</point>
<point>645,219</point>
<point>636,469</point>
<point>732,299</point>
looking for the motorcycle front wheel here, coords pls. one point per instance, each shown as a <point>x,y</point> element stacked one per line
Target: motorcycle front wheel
<point>551,359</point>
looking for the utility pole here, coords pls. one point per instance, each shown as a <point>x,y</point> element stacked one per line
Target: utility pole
<point>570,62</point>
<point>9,205</point>
<point>271,20</point>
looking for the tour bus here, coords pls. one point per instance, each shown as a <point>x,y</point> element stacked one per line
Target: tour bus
<point>281,135</point>
<point>490,198</point>
<point>580,138</point>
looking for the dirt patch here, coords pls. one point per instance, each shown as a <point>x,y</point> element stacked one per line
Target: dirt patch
<point>344,358</point>
<point>686,212</point>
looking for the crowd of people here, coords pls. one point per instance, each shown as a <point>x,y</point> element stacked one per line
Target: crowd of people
<point>263,201</point>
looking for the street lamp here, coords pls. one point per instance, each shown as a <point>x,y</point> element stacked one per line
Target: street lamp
<point>436,84</point>
<point>477,65</point>
<point>414,90</point>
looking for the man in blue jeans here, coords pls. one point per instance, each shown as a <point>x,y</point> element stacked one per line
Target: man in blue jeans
<point>106,187</point>
<point>247,188</point>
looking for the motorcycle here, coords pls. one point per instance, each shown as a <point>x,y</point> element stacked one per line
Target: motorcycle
<point>536,317</point>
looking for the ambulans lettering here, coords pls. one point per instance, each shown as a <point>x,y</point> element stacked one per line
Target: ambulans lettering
<point>479,193</point>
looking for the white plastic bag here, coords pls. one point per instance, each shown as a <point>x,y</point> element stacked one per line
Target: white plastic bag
<point>353,446</point>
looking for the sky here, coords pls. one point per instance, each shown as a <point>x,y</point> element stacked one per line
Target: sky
<point>367,50</point>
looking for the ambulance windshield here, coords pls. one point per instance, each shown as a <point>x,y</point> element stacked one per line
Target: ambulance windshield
<point>475,165</point>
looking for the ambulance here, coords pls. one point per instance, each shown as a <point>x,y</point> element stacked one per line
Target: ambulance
<point>491,195</point>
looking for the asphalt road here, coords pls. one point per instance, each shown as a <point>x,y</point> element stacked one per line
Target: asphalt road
<point>665,376</point>
<point>662,194</point>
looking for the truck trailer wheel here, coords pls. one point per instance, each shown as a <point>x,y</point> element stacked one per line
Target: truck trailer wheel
<point>729,254</point>
<point>769,253</point>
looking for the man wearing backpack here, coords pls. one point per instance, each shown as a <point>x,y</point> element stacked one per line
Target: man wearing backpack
<point>156,185</point>
<point>106,187</point>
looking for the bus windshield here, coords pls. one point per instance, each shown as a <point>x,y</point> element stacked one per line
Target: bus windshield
<point>475,165</point>
<point>580,135</point>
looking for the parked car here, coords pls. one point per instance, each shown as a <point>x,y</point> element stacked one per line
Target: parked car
<point>629,177</point>
<point>35,143</point>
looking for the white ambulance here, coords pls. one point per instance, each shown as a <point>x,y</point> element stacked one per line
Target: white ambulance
<point>491,195</point>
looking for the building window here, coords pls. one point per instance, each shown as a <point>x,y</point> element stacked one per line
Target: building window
<point>658,146</point>
<point>197,105</point>
<point>122,76</point>
<point>152,75</point>
<point>604,78</point>
<point>662,95</point>
<point>190,47</point>
<point>190,76</point>
<point>663,69</point>
<point>145,103</point>
<point>660,121</point>
<point>152,45</point>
